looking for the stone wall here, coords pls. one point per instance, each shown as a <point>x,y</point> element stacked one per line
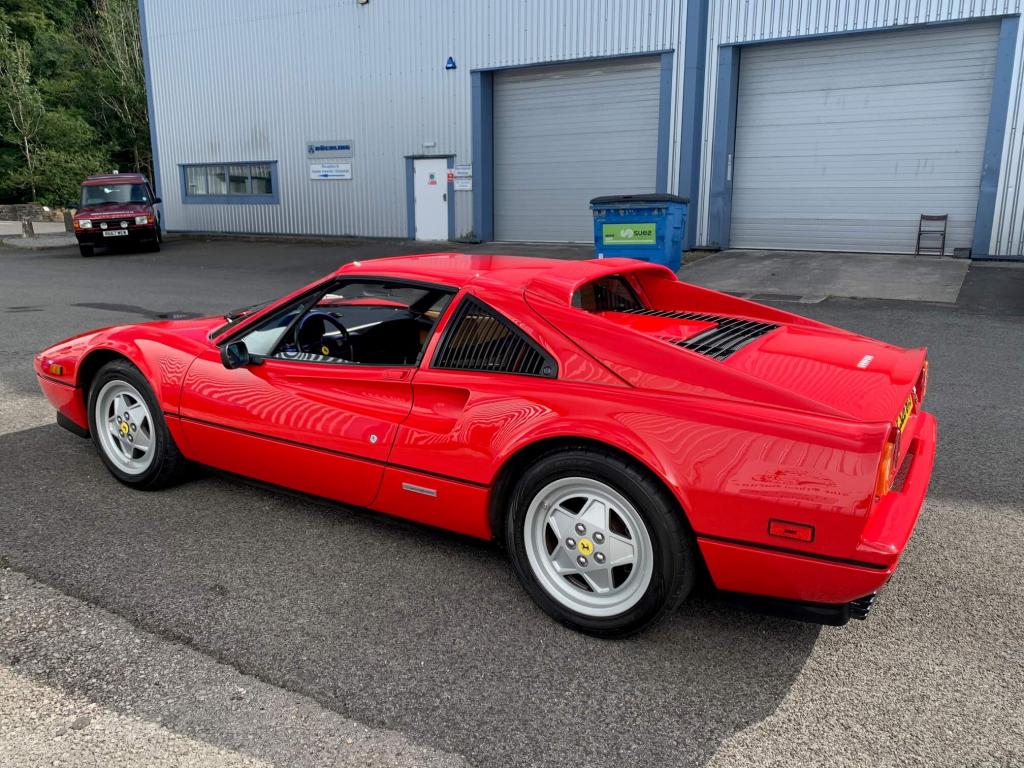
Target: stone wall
<point>32,211</point>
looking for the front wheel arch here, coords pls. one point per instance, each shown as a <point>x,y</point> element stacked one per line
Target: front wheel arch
<point>528,454</point>
<point>91,365</point>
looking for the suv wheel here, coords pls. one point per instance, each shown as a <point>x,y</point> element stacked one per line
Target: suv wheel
<point>86,250</point>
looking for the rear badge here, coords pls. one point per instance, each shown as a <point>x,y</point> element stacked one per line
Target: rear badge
<point>865,361</point>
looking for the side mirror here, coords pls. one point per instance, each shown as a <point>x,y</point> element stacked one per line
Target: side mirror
<point>156,200</point>
<point>235,355</point>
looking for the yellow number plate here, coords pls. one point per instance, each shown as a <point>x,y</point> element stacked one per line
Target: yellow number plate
<point>904,417</point>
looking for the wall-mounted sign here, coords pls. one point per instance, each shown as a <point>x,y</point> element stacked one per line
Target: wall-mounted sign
<point>463,184</point>
<point>463,171</point>
<point>450,64</point>
<point>320,171</point>
<point>330,148</point>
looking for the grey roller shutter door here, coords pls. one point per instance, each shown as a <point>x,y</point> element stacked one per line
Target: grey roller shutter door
<point>565,134</point>
<point>842,143</point>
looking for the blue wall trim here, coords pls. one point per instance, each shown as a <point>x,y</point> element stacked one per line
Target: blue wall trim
<point>483,154</point>
<point>272,199</point>
<point>147,69</point>
<point>410,200</point>
<point>664,122</point>
<point>579,59</point>
<point>720,202</point>
<point>868,30</point>
<point>695,55</point>
<point>985,217</point>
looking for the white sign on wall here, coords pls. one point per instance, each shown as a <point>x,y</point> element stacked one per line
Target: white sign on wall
<point>320,171</point>
<point>462,184</point>
<point>463,171</point>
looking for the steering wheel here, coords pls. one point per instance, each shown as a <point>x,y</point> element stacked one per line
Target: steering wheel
<point>328,346</point>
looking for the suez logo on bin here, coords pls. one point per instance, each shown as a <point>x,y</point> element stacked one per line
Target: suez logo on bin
<point>644,233</point>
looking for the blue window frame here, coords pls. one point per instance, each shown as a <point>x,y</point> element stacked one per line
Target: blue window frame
<point>240,182</point>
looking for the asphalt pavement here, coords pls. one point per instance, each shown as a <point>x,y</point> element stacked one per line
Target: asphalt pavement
<point>221,623</point>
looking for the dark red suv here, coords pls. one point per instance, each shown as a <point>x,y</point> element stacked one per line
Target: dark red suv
<point>115,209</point>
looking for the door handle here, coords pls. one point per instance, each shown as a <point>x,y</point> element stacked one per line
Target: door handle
<point>445,197</point>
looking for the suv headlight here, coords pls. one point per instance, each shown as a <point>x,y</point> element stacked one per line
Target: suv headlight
<point>85,224</point>
<point>142,219</point>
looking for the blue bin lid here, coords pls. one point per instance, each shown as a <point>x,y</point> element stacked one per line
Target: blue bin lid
<point>651,198</point>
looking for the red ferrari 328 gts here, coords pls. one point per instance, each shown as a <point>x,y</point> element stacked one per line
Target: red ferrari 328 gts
<point>614,428</point>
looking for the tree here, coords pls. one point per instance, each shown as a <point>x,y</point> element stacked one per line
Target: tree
<point>118,55</point>
<point>21,101</point>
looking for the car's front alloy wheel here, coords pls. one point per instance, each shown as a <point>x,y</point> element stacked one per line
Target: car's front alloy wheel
<point>598,543</point>
<point>129,430</point>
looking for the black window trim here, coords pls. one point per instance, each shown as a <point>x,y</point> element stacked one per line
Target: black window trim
<point>469,298</point>
<point>310,297</point>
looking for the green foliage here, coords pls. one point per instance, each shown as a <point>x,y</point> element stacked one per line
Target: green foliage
<point>74,101</point>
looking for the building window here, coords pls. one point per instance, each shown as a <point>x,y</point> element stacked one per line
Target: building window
<point>229,183</point>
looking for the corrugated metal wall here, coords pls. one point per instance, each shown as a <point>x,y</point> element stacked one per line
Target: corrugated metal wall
<point>737,21</point>
<point>256,79</point>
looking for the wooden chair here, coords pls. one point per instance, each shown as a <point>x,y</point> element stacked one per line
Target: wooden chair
<point>931,229</point>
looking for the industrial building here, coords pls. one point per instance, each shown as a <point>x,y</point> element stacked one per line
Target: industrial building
<point>789,124</point>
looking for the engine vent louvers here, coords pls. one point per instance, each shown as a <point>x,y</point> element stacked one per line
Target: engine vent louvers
<point>479,339</point>
<point>729,334</point>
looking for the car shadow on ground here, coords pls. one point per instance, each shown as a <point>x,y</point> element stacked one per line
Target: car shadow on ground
<point>388,623</point>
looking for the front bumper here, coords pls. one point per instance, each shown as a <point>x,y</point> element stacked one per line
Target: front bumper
<point>69,402</point>
<point>136,234</point>
<point>791,575</point>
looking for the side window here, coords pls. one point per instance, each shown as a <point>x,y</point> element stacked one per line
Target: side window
<point>359,322</point>
<point>477,338</point>
<point>264,339</point>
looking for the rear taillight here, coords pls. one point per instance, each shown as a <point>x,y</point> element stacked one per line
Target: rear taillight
<point>922,383</point>
<point>889,464</point>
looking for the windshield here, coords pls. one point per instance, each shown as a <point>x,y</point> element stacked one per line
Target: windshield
<point>101,194</point>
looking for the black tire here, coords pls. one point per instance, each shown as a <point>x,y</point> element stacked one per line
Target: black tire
<point>86,250</point>
<point>153,246</point>
<point>675,559</point>
<point>168,465</point>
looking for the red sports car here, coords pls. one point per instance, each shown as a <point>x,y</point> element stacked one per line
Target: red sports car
<point>617,430</point>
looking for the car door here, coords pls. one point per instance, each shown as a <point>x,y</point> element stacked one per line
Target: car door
<point>317,428</point>
<point>302,420</point>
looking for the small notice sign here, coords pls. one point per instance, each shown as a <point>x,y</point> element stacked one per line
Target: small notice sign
<point>320,171</point>
<point>463,171</point>
<point>462,184</point>
<point>643,233</point>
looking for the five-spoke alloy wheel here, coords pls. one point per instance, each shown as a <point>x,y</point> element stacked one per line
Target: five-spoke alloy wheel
<point>125,427</point>
<point>598,542</point>
<point>129,430</point>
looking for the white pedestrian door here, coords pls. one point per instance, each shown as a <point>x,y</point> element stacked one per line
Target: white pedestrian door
<point>430,190</point>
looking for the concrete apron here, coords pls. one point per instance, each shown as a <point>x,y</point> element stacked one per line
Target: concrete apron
<point>813,275</point>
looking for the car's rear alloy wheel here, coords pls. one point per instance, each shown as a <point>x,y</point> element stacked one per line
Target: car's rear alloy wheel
<point>598,543</point>
<point>129,430</point>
